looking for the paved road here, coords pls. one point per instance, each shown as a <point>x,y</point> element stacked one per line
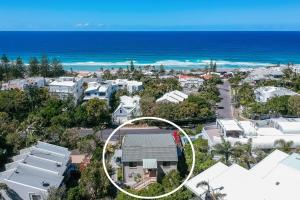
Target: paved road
<point>224,110</point>
<point>118,135</point>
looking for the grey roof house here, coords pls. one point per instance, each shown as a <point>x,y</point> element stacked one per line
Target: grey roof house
<point>34,171</point>
<point>147,157</point>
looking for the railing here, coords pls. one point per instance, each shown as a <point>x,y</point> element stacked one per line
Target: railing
<point>144,183</point>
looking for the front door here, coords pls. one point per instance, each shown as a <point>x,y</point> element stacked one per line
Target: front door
<point>152,172</point>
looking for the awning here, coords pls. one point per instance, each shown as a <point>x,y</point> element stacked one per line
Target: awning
<point>149,163</point>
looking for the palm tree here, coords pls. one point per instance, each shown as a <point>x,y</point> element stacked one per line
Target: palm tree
<point>283,145</point>
<point>3,187</point>
<point>211,193</point>
<point>243,153</point>
<point>225,149</point>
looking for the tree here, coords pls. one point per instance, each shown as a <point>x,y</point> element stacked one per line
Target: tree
<point>57,68</point>
<point>33,68</point>
<point>162,70</point>
<point>283,145</point>
<point>225,149</point>
<point>131,66</point>
<point>203,156</point>
<point>93,182</point>
<point>294,105</point>
<point>243,154</point>
<point>18,68</point>
<point>74,193</point>
<point>97,112</point>
<point>5,66</point>
<point>107,75</point>
<point>44,66</point>
<point>211,193</point>
<point>172,180</point>
<point>57,193</point>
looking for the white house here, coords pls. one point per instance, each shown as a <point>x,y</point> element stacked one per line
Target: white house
<point>22,84</point>
<point>134,86</point>
<point>97,90</point>
<point>131,86</point>
<point>129,107</point>
<point>263,94</point>
<point>263,133</point>
<point>172,97</point>
<point>34,171</point>
<point>264,73</point>
<point>274,178</point>
<point>67,87</point>
<point>190,82</point>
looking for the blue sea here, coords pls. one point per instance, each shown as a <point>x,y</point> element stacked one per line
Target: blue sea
<point>175,50</point>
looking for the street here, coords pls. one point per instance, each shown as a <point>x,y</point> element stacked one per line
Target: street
<point>224,110</point>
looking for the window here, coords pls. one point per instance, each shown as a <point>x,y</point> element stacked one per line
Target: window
<point>33,196</point>
<point>133,164</point>
<point>166,164</point>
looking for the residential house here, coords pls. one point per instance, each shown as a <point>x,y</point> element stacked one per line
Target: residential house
<point>131,86</point>
<point>147,157</point>
<point>273,178</point>
<point>190,82</point>
<point>97,90</point>
<point>172,97</point>
<point>262,133</point>
<point>263,94</point>
<point>34,171</point>
<point>264,73</point>
<point>67,87</point>
<point>129,107</point>
<point>22,84</point>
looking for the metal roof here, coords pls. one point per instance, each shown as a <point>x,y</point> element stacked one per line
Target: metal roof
<point>137,147</point>
<point>36,169</point>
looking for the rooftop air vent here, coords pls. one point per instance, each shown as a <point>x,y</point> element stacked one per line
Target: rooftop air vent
<point>45,184</point>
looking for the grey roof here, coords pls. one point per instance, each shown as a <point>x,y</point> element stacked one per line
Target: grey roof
<point>36,169</point>
<point>137,147</point>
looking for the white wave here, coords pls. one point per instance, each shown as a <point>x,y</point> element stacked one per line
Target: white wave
<point>174,63</point>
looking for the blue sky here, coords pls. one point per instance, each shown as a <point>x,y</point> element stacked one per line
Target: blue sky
<point>150,15</point>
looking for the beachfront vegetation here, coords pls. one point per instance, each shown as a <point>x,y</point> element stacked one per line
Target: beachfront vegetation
<point>12,69</point>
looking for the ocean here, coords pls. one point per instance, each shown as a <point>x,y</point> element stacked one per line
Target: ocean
<point>175,50</point>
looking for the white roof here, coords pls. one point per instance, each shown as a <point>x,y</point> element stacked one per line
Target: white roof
<point>207,175</point>
<point>236,181</point>
<point>289,127</point>
<point>248,127</point>
<point>229,125</point>
<point>275,178</point>
<point>268,131</point>
<point>174,97</point>
<point>268,163</point>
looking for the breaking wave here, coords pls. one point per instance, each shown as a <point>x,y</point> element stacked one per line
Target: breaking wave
<point>170,64</point>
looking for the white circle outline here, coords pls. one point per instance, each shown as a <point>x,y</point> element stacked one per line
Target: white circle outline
<point>145,197</point>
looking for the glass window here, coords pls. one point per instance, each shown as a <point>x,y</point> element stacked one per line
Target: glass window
<point>133,164</point>
<point>166,164</point>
